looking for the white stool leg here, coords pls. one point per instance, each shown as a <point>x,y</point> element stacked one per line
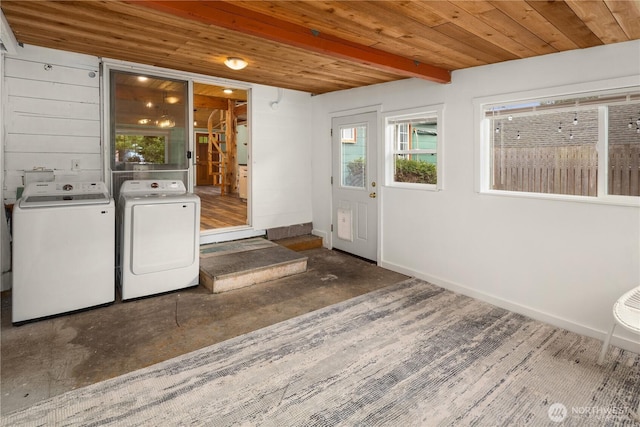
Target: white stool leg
<point>605,345</point>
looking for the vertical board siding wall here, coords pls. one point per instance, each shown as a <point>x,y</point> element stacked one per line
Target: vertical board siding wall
<point>52,117</point>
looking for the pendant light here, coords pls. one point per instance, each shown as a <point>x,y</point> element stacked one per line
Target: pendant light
<point>165,121</point>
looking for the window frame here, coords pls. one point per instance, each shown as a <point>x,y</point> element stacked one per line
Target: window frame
<point>482,138</point>
<point>436,111</point>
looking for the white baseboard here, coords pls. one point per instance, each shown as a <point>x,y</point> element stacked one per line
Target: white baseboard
<point>319,233</point>
<point>230,234</point>
<point>533,313</point>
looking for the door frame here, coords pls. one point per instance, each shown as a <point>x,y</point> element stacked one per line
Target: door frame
<point>379,131</point>
<point>207,236</point>
<point>106,66</point>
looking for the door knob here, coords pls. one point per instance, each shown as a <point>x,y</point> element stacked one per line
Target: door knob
<point>372,195</point>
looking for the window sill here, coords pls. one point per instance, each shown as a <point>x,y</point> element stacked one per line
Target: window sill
<point>412,186</point>
<point>627,201</point>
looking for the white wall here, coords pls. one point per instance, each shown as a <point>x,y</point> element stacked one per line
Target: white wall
<point>5,238</point>
<point>280,158</point>
<point>51,112</point>
<point>561,262</point>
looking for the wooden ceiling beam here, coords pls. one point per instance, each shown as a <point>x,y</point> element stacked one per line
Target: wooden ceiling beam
<point>236,18</point>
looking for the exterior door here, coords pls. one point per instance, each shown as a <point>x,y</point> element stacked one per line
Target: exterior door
<point>202,160</point>
<point>354,194</point>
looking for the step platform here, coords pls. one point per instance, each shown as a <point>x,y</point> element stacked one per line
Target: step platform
<point>301,243</point>
<point>237,264</point>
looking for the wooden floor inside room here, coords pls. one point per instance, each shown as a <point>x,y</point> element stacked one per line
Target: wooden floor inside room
<point>220,211</point>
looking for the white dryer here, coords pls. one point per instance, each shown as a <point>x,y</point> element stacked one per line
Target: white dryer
<point>63,249</point>
<point>158,237</point>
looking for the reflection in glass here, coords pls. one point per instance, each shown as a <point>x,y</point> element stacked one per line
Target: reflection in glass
<point>149,128</point>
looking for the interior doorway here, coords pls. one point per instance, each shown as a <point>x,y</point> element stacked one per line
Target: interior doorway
<point>220,155</point>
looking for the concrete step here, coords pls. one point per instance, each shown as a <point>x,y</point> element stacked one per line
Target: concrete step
<point>300,243</point>
<point>233,265</point>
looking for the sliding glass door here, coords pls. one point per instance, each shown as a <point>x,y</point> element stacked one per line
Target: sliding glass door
<point>149,131</point>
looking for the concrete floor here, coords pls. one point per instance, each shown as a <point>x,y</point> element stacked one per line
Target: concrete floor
<point>49,357</point>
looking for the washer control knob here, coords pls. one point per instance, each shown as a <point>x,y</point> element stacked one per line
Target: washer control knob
<point>67,187</point>
<point>154,185</point>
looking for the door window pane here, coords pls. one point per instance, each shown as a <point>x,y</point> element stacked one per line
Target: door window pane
<point>354,156</point>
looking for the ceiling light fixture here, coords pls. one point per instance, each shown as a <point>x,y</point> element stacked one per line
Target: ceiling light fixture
<point>228,91</point>
<point>235,63</point>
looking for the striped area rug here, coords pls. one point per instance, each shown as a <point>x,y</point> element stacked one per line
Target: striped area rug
<point>411,354</point>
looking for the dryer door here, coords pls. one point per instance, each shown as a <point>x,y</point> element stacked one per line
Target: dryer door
<point>163,236</point>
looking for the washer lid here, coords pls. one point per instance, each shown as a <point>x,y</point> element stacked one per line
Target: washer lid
<point>49,194</point>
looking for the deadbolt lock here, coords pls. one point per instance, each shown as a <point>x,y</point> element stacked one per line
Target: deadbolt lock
<point>373,184</point>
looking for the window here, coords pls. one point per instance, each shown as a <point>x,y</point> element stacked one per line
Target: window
<point>413,145</point>
<point>579,145</point>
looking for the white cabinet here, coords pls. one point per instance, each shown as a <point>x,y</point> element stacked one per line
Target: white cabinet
<point>242,182</point>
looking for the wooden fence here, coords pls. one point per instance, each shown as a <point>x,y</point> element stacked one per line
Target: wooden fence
<point>569,169</point>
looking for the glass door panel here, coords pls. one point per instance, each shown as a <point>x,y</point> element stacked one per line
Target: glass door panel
<point>149,128</point>
<point>353,157</point>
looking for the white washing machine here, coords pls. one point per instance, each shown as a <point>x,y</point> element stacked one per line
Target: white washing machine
<point>63,249</point>
<point>158,238</point>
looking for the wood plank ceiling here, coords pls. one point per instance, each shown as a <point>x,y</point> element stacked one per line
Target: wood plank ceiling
<point>436,36</point>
